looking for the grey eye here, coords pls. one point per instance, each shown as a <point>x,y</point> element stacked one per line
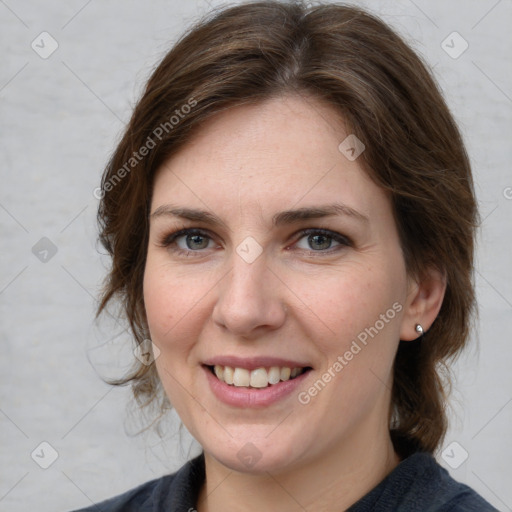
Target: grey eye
<point>320,241</point>
<point>316,242</point>
<point>194,241</point>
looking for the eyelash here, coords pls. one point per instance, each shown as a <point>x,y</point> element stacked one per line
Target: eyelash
<point>170,239</point>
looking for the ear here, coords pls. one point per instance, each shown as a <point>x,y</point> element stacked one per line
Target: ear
<point>424,300</point>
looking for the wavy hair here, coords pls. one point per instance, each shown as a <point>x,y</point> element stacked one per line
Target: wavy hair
<point>350,59</point>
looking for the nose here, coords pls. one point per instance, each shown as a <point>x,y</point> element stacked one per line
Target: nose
<point>250,299</point>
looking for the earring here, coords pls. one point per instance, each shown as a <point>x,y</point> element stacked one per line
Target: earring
<point>419,329</point>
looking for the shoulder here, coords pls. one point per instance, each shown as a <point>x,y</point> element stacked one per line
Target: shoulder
<point>420,484</point>
<point>140,498</point>
<point>438,491</point>
<point>456,496</point>
<point>177,491</point>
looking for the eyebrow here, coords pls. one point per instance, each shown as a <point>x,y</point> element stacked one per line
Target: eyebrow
<point>279,219</point>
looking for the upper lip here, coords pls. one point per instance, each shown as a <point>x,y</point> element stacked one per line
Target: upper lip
<point>251,363</point>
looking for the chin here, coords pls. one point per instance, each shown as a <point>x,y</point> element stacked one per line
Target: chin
<point>255,455</point>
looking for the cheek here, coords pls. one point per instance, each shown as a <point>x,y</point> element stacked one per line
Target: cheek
<point>160,303</point>
<point>362,310</point>
<point>172,304</point>
<point>343,303</point>
<point>171,300</point>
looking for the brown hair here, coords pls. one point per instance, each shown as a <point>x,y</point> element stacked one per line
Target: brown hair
<point>353,61</point>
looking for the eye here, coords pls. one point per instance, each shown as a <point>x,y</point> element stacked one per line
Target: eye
<point>187,241</point>
<point>192,241</point>
<point>320,240</point>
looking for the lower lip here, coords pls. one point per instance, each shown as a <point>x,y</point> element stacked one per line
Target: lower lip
<point>252,397</point>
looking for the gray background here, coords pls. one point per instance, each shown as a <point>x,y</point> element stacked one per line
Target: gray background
<point>60,119</point>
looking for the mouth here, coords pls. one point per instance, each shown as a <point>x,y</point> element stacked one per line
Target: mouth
<point>258,378</point>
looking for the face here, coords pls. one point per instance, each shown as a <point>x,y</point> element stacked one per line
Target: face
<point>271,251</point>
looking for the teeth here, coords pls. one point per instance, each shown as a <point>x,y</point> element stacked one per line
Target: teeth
<point>241,377</point>
<point>228,375</point>
<point>274,375</point>
<point>258,378</point>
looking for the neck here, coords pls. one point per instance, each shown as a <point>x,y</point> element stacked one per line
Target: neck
<point>335,480</point>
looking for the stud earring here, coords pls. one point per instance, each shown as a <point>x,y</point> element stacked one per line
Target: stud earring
<point>419,329</point>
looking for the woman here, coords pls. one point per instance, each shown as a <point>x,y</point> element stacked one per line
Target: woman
<point>291,217</point>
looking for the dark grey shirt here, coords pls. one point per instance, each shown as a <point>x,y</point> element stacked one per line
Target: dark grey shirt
<point>417,484</point>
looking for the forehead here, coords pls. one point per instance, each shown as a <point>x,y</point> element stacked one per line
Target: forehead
<point>272,155</point>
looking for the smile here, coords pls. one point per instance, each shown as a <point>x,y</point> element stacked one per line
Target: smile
<point>257,378</point>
